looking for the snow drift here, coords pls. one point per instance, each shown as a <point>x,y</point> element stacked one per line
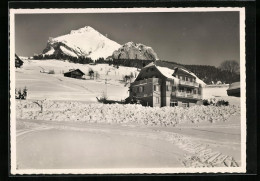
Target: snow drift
<point>124,114</point>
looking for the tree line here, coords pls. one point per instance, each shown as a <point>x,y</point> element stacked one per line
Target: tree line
<point>211,74</point>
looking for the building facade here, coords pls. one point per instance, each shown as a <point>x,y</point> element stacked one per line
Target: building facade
<point>159,86</point>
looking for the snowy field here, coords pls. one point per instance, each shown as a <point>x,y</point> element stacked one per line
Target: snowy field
<point>57,87</point>
<point>77,132</point>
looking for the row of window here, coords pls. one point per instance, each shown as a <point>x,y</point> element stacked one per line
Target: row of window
<point>141,88</point>
<point>183,104</point>
<point>194,91</point>
<point>168,88</point>
<point>189,79</point>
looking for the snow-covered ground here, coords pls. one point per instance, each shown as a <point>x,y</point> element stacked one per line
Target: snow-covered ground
<point>74,131</point>
<point>57,87</point>
<point>70,145</point>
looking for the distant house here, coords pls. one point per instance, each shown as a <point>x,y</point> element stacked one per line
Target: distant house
<point>74,73</point>
<point>18,62</point>
<point>160,84</point>
<point>234,89</point>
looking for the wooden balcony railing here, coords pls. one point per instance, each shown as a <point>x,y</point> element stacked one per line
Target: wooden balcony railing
<point>193,84</point>
<point>144,81</point>
<point>186,95</point>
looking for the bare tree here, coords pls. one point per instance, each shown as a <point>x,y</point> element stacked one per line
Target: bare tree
<point>91,74</point>
<point>230,65</point>
<point>40,104</point>
<point>97,75</point>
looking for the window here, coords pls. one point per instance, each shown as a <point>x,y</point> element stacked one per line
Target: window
<point>194,91</point>
<point>167,88</point>
<point>157,100</point>
<point>188,90</point>
<point>141,89</point>
<point>181,89</point>
<point>173,104</point>
<point>156,88</point>
<point>173,88</point>
<point>185,104</point>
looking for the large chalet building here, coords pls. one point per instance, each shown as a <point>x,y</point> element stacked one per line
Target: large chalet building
<point>164,84</point>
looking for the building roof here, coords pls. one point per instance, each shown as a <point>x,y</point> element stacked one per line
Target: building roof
<point>73,70</point>
<point>185,72</point>
<point>171,65</point>
<point>169,71</point>
<point>235,85</point>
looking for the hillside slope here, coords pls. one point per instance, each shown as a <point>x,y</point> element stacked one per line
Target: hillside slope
<point>42,85</point>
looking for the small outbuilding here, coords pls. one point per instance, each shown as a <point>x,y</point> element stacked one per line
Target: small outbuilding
<point>74,73</point>
<point>234,89</point>
<point>18,62</point>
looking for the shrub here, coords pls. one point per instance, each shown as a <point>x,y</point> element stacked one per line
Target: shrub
<point>206,102</point>
<point>222,103</point>
<point>215,102</point>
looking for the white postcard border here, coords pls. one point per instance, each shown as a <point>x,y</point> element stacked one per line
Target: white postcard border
<point>14,170</point>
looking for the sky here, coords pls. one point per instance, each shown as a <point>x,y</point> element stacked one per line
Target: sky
<point>201,38</point>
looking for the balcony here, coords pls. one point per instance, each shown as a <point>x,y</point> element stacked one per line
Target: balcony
<point>187,95</point>
<point>192,84</point>
<point>145,81</point>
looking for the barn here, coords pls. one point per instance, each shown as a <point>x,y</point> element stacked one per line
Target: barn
<point>18,62</point>
<point>74,73</point>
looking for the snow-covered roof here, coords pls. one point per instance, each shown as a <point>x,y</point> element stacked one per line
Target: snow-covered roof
<point>149,65</point>
<point>167,72</point>
<point>234,85</point>
<point>197,79</point>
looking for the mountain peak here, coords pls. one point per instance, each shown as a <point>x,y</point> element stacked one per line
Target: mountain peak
<point>86,42</point>
<point>131,50</point>
<point>83,30</point>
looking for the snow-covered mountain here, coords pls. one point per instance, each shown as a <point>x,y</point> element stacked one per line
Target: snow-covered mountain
<point>133,50</point>
<point>86,42</point>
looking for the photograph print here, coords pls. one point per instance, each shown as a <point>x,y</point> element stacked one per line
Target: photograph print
<point>125,91</point>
